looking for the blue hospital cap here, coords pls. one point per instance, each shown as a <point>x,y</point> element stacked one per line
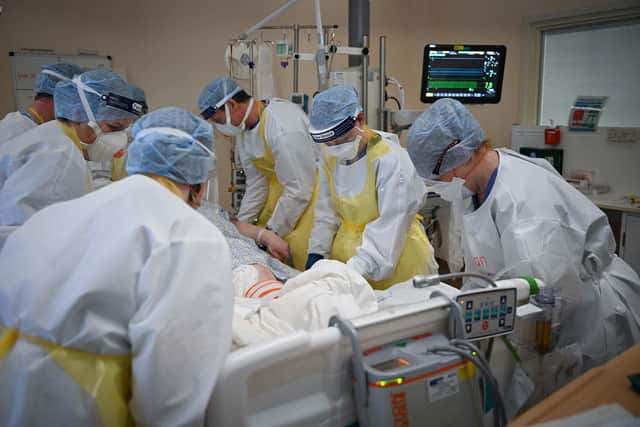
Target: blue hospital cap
<point>445,121</point>
<point>46,83</point>
<point>218,92</point>
<point>331,106</point>
<point>68,105</point>
<point>175,157</point>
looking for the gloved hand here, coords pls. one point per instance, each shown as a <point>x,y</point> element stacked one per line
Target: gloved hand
<point>312,259</point>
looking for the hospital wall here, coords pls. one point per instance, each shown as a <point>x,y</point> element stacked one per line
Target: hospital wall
<point>173,48</point>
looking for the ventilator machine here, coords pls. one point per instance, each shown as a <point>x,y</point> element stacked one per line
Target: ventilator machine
<point>421,359</point>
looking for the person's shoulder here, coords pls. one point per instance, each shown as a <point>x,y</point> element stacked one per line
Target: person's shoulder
<point>49,131</point>
<point>143,201</point>
<point>47,137</point>
<point>390,153</point>
<point>526,175</point>
<point>11,116</point>
<point>528,184</point>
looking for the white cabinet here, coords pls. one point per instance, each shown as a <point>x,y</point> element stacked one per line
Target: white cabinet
<point>630,240</point>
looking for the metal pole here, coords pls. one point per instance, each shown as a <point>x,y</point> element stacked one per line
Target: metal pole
<point>230,57</point>
<point>365,73</point>
<point>383,84</point>
<point>296,62</point>
<point>251,68</point>
<point>302,27</point>
<point>358,26</point>
<point>268,18</point>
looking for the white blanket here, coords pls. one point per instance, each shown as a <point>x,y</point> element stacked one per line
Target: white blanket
<point>306,302</point>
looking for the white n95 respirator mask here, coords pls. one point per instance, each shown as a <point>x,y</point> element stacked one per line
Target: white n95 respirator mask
<point>450,191</point>
<point>345,151</point>
<point>106,144</point>
<point>230,129</point>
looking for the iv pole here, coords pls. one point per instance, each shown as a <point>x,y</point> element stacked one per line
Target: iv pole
<point>323,74</point>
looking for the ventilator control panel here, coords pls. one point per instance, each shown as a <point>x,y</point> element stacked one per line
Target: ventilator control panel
<point>488,312</point>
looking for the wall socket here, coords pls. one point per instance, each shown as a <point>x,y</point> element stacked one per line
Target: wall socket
<point>623,135</point>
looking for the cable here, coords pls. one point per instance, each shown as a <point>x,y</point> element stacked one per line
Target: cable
<point>396,83</point>
<point>330,66</point>
<point>485,362</point>
<point>511,348</point>
<point>487,354</point>
<point>424,281</point>
<point>499,416</point>
<point>455,307</point>
<point>499,412</point>
<point>397,101</point>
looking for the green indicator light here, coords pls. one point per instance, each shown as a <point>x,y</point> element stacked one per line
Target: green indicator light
<point>395,381</point>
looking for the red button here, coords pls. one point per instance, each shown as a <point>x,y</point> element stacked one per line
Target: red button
<point>485,325</point>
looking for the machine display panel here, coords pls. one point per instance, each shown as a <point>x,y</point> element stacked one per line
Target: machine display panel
<point>469,73</point>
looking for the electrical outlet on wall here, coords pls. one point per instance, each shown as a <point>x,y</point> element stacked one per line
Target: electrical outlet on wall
<point>623,135</point>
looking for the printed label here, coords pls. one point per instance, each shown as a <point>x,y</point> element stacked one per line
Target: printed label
<point>442,386</point>
<point>399,408</point>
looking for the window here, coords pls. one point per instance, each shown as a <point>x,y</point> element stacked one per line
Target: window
<point>594,52</point>
<point>601,61</point>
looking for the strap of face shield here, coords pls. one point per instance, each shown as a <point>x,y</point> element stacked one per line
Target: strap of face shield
<point>174,132</point>
<point>56,75</point>
<point>211,110</point>
<point>124,103</point>
<point>436,168</point>
<point>111,99</point>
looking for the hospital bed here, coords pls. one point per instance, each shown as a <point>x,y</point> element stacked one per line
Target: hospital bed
<point>305,379</point>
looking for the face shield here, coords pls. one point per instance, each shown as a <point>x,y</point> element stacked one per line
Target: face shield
<point>337,133</point>
<point>211,110</point>
<point>106,144</point>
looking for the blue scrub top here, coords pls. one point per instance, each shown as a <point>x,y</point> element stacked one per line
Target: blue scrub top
<point>492,180</point>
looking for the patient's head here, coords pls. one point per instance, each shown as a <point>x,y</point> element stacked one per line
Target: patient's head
<point>255,281</point>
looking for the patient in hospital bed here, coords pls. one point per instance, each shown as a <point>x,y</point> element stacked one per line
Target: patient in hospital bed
<point>244,251</point>
<point>272,299</point>
<point>266,308</point>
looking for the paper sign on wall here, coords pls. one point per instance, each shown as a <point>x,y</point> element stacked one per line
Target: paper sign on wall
<point>585,113</point>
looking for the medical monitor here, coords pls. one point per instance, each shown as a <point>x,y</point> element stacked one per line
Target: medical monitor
<point>469,73</point>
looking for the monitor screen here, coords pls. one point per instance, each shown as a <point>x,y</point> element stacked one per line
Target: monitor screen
<point>468,73</point>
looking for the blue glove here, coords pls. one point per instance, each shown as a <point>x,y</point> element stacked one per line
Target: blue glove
<point>312,259</point>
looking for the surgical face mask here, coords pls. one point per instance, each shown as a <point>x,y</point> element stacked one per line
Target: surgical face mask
<point>230,129</point>
<point>450,191</point>
<point>345,151</point>
<point>106,144</point>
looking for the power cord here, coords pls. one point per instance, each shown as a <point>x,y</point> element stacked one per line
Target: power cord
<point>473,355</point>
<point>499,412</point>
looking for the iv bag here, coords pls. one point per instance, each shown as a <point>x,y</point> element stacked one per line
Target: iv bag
<point>284,49</point>
<point>237,60</point>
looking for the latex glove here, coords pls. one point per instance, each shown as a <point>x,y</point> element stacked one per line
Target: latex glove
<point>312,259</point>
